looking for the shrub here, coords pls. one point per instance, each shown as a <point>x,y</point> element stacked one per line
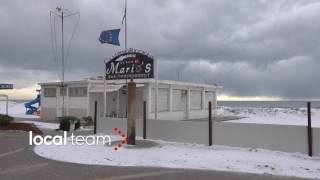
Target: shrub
<point>66,121</point>
<point>5,119</point>
<point>88,120</point>
<point>77,125</point>
<point>64,124</point>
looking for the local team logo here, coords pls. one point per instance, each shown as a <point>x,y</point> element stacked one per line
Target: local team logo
<point>123,141</point>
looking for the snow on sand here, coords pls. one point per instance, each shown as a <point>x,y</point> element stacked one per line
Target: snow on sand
<point>190,156</point>
<point>44,125</point>
<point>283,116</point>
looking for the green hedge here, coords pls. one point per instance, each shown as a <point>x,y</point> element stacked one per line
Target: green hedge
<point>5,119</point>
<point>66,121</point>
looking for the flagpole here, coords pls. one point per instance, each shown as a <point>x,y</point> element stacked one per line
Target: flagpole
<point>62,57</point>
<point>156,90</point>
<point>125,41</point>
<point>104,91</point>
<point>125,25</point>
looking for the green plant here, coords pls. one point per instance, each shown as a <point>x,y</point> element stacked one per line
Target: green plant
<point>88,120</point>
<point>5,119</point>
<point>77,125</point>
<point>64,124</point>
<point>66,121</point>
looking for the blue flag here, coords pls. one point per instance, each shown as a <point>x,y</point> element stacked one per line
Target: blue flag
<point>110,37</point>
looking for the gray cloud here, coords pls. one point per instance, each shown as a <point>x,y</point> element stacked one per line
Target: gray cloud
<point>252,48</point>
<point>288,78</point>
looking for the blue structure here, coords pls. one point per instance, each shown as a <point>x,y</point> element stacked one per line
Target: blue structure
<point>29,105</point>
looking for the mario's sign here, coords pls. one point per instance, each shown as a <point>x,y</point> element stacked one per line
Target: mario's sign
<point>130,64</point>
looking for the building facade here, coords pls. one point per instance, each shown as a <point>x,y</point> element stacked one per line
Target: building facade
<point>176,100</point>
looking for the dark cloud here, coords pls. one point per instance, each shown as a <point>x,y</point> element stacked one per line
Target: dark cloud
<point>252,48</point>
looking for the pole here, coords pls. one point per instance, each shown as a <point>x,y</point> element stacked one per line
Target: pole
<point>95,117</point>
<point>62,57</point>
<point>118,103</point>
<point>309,129</point>
<point>125,25</point>
<point>144,120</point>
<point>7,105</point>
<point>131,124</point>
<point>156,92</point>
<point>210,124</point>
<point>62,14</point>
<point>104,92</point>
<point>125,45</point>
<point>127,98</point>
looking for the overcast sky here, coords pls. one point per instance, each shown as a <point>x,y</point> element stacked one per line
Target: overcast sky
<point>251,48</point>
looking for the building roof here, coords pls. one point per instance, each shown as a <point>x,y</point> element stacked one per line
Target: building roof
<point>138,81</point>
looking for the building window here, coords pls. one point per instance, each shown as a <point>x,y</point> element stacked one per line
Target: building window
<point>63,91</point>
<point>179,100</point>
<point>77,91</point>
<point>196,100</point>
<point>50,92</point>
<point>209,97</point>
<point>163,100</point>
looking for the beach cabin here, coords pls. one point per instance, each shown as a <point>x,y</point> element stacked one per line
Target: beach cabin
<point>176,100</point>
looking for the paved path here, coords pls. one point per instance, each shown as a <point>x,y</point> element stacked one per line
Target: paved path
<point>18,162</point>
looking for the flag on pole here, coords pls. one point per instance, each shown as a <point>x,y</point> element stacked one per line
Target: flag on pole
<point>125,12</point>
<point>110,37</point>
<point>124,16</point>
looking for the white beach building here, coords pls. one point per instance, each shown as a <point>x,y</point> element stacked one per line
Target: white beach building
<point>176,100</point>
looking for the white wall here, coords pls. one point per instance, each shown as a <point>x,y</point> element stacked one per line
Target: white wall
<point>274,137</point>
<point>175,106</point>
<point>48,102</point>
<point>76,102</point>
<point>170,106</point>
<point>74,106</point>
<point>111,103</point>
<point>48,107</point>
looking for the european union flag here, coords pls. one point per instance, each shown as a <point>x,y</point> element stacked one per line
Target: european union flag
<point>110,37</point>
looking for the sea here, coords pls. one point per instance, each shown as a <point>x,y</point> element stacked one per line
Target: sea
<point>269,104</point>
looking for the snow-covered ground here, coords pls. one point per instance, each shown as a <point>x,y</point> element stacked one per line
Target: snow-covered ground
<point>183,155</point>
<point>289,116</point>
<point>44,125</point>
<point>16,109</point>
<point>54,126</point>
<point>192,156</point>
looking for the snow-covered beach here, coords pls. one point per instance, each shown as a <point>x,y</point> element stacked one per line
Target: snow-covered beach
<point>188,156</point>
<point>281,116</point>
<point>193,156</point>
